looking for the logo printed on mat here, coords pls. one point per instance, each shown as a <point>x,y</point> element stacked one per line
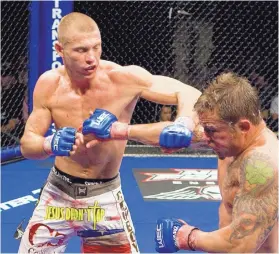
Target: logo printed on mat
<point>178,184</point>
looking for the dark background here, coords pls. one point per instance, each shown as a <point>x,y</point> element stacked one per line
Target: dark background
<point>245,39</point>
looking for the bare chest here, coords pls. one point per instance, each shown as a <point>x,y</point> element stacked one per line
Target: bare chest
<point>228,179</point>
<point>70,108</point>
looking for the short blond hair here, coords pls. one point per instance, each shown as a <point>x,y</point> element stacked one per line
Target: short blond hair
<point>75,21</point>
<point>232,97</point>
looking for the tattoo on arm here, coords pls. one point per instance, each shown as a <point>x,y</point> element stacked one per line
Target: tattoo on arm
<point>255,207</point>
<point>259,173</point>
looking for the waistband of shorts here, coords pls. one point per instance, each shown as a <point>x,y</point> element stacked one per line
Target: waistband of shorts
<point>82,190</point>
<point>73,179</point>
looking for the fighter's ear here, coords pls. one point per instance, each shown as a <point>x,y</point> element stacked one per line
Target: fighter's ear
<point>59,48</point>
<point>244,125</point>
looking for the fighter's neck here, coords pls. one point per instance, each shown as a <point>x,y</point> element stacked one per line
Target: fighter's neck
<point>255,137</point>
<point>80,84</point>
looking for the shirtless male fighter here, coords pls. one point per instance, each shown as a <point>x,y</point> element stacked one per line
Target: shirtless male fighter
<point>229,120</point>
<point>229,112</point>
<point>82,195</point>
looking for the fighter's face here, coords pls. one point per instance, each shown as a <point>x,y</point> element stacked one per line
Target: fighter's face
<point>221,136</point>
<point>166,114</point>
<point>82,53</point>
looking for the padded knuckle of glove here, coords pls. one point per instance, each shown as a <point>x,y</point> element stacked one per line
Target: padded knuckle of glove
<point>99,123</point>
<point>175,136</point>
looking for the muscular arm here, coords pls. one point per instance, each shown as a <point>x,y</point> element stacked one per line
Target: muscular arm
<point>150,133</point>
<point>159,89</point>
<point>254,211</point>
<point>165,90</point>
<point>38,121</point>
<point>147,133</point>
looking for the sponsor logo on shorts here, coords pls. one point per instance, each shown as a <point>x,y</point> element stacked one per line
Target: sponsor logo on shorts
<point>56,238</point>
<point>81,191</point>
<point>178,184</point>
<point>39,251</point>
<point>125,215</point>
<point>93,183</point>
<point>93,214</point>
<point>64,178</point>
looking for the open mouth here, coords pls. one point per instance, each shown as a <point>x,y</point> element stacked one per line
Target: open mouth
<point>90,68</point>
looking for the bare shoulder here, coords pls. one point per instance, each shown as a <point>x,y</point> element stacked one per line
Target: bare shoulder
<point>134,70</point>
<point>271,145</point>
<point>109,65</point>
<point>259,171</point>
<point>49,79</point>
<point>48,83</point>
<point>132,74</point>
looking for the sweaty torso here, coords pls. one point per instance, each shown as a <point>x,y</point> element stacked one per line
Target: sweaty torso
<point>229,184</point>
<point>69,108</point>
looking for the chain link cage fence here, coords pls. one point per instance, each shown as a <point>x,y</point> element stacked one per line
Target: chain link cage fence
<point>14,71</point>
<point>192,41</point>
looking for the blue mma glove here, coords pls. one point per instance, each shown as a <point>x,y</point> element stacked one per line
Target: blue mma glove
<point>176,135</point>
<point>99,124</point>
<point>165,235</point>
<point>61,142</point>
